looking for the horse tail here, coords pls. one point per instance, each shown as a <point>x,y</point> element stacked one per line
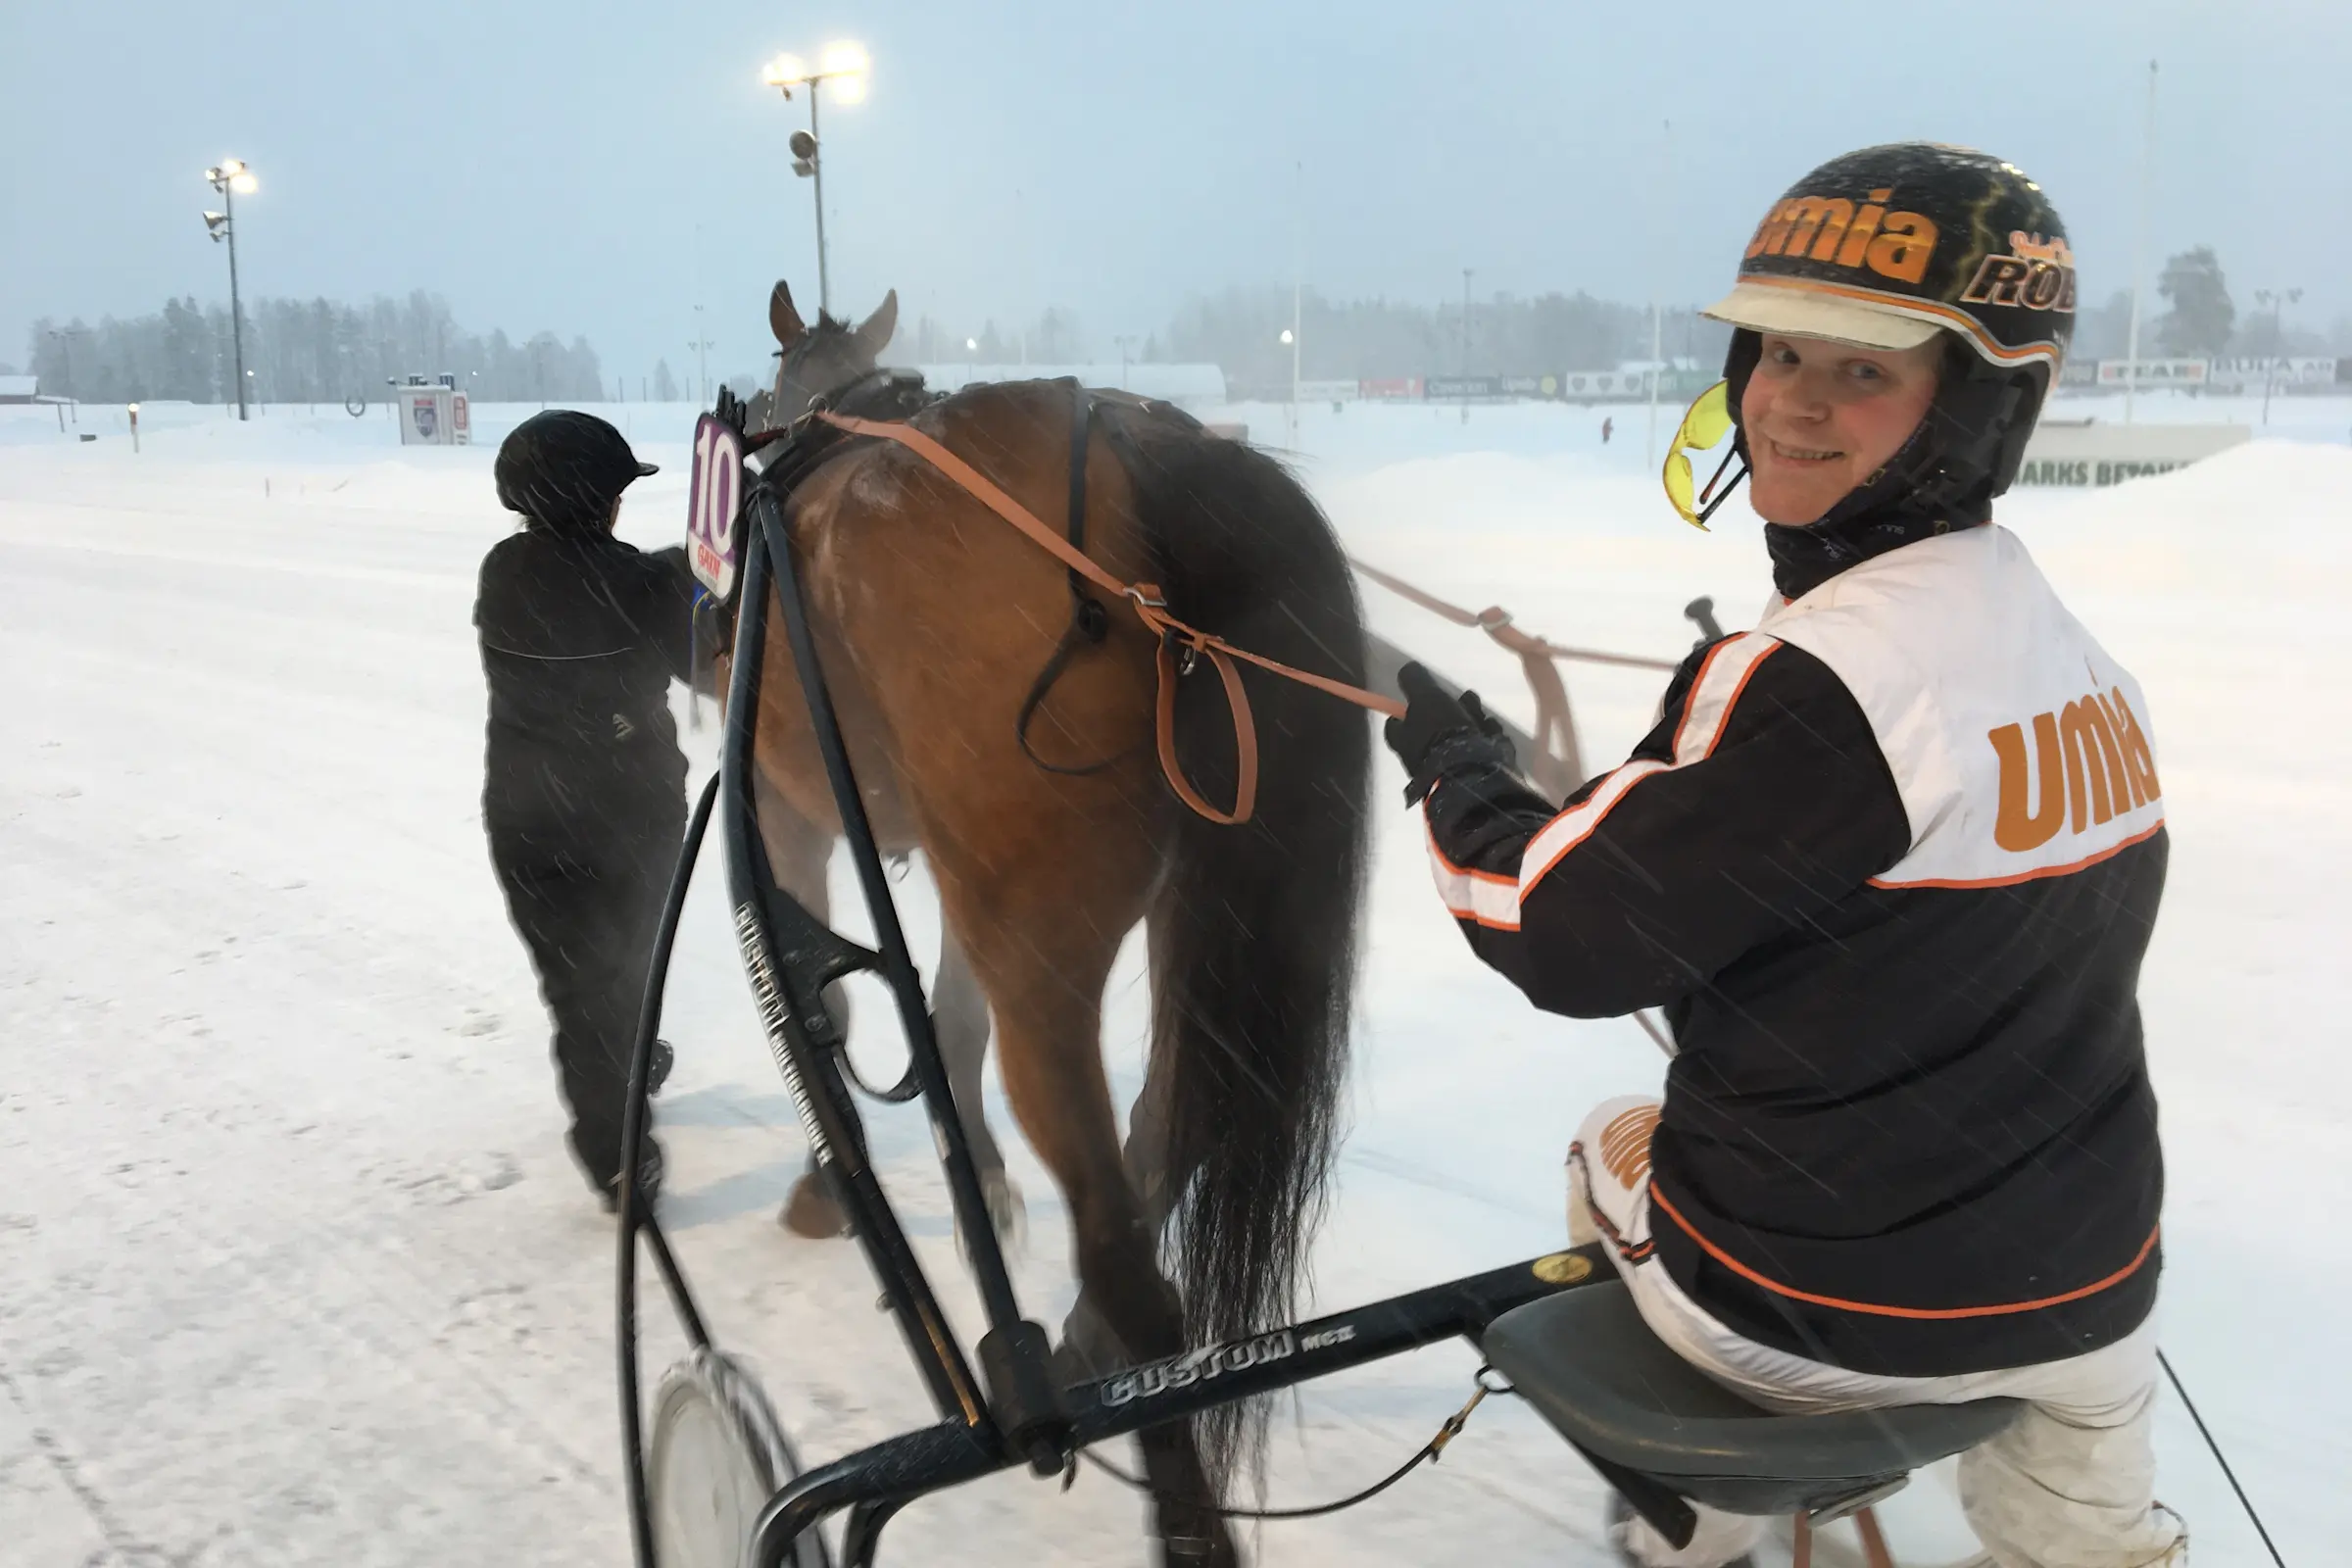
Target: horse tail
<point>1253,932</point>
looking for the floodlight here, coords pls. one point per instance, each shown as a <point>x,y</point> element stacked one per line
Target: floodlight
<point>847,68</point>
<point>785,71</point>
<point>243,184</point>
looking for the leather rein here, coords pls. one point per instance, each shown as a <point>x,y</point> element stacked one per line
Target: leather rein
<point>1180,643</point>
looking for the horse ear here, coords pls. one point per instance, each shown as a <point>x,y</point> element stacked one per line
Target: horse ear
<point>782,318</point>
<point>876,330</point>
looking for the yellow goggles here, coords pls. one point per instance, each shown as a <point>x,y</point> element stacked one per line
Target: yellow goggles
<point>1707,422</point>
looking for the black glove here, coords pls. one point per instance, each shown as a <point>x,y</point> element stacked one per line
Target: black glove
<point>1439,733</point>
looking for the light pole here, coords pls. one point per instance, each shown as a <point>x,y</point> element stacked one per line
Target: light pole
<point>701,345</point>
<point>2139,248</point>
<point>1298,287</point>
<point>1290,414</point>
<point>65,336</point>
<point>232,179</point>
<point>1657,345</point>
<point>2277,299</point>
<point>847,67</point>
<point>1466,345</point>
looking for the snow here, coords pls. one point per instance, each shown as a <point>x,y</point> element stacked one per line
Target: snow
<point>296,1268</point>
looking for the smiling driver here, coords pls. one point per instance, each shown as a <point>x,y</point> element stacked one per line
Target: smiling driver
<point>1890,863</point>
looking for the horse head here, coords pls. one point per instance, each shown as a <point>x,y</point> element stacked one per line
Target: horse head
<point>812,361</point>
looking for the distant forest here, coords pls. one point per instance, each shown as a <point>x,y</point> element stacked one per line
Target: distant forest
<point>303,351</point>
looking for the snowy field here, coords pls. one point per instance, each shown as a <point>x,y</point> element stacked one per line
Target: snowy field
<point>294,1270</point>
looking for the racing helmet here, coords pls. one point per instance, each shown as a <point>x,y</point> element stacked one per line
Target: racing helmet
<point>566,469</point>
<point>1885,247</point>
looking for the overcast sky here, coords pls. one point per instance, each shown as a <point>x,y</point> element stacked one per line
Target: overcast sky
<point>599,167</point>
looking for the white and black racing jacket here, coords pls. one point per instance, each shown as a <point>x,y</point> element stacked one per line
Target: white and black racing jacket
<point>1890,862</point>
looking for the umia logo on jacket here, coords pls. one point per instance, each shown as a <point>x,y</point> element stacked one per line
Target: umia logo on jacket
<point>2091,764</point>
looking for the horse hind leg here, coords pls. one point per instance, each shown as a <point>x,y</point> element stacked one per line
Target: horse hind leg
<point>1088,1348</point>
<point>1047,1003</point>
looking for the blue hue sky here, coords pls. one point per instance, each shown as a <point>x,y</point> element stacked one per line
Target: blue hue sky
<point>598,168</point>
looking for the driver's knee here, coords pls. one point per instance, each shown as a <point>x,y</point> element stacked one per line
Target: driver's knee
<point>1609,1168</point>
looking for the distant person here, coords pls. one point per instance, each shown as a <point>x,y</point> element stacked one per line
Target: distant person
<point>1890,863</point>
<point>584,796</point>
<point>1608,428</point>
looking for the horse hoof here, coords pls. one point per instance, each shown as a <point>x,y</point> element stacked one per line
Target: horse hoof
<point>811,1211</point>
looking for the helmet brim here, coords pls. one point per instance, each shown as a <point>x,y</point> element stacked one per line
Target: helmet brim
<point>1801,312</point>
<point>646,471</point>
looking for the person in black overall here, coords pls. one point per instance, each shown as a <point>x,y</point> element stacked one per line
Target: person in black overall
<point>584,796</point>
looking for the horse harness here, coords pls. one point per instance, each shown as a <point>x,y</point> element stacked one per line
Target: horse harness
<point>833,423</point>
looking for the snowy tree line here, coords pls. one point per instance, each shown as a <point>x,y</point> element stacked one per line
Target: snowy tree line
<point>303,351</point>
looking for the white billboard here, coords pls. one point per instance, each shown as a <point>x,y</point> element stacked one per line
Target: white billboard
<point>432,416</point>
<point>2155,372</point>
<point>2251,375</point>
<point>2084,454</point>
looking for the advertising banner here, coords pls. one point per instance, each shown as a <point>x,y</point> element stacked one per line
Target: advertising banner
<point>433,416</point>
<point>1447,388</point>
<point>2155,372</point>
<point>2088,455</point>
<point>2253,373</point>
<point>1605,386</point>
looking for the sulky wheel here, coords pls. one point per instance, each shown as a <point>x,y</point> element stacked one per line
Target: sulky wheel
<point>714,1454</point>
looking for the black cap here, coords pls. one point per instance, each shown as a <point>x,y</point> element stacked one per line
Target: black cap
<point>566,469</point>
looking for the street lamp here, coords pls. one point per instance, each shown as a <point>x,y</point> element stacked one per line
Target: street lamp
<point>2277,299</point>
<point>232,179</point>
<point>846,66</point>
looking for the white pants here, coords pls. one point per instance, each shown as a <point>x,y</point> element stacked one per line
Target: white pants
<point>2068,1486</point>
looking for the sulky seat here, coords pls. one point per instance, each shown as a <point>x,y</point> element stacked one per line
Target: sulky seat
<point>1587,1360</point>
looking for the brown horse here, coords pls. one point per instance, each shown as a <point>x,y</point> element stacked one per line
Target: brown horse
<point>933,617</point>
